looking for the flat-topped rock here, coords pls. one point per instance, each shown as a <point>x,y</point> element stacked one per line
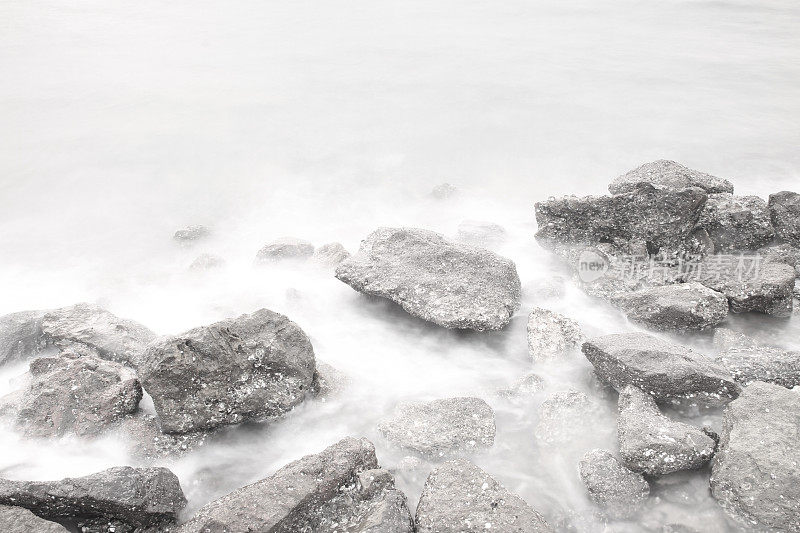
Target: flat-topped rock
<point>620,492</point>
<point>736,223</point>
<point>283,249</point>
<point>679,307</point>
<point>784,210</point>
<point>665,174</point>
<point>452,285</point>
<point>551,335</point>
<point>21,520</point>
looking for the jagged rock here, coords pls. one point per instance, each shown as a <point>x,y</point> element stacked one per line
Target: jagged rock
<point>191,233</point>
<point>328,381</point>
<point>207,262</point>
<point>73,393</point>
<point>669,372</point>
<point>459,497</point>
<point>286,248</point>
<point>618,490</point>
<point>340,488</point>
<point>551,335</point>
<point>784,210</point>
<point>565,416</point>
<point>748,360</point>
<point>736,223</point>
<point>253,367</point>
<point>651,443</point>
<point>441,427</point>
<point>755,475</point>
<point>443,191</point>
<point>130,497</point>
<point>481,233</point>
<point>669,175</point>
<point>452,285</point>
<point>525,387</point>
<point>20,335</point>
<point>21,520</point>
<point>677,307</point>
<point>330,254</point>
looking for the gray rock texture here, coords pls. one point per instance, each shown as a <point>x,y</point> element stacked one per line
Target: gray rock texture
<point>481,233</point>
<point>736,223</point>
<point>338,489</point>
<point>21,520</point>
<point>459,497</point>
<point>285,248</point>
<point>441,427</point>
<point>669,372</point>
<point>748,360</point>
<point>755,475</point>
<point>664,174</point>
<point>254,367</point>
<point>784,210</point>
<point>619,491</point>
<point>551,335</point>
<point>680,307</point>
<point>330,255</point>
<point>452,285</point>
<point>132,498</point>
<point>191,233</point>
<point>566,416</point>
<point>20,335</point>
<point>651,443</point>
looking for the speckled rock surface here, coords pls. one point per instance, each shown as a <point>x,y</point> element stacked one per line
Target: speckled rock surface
<point>524,388</point>
<point>619,491</point>
<point>679,307</point>
<point>21,520</point>
<point>21,335</point>
<point>736,223</point>
<point>665,174</point>
<point>285,248</point>
<point>551,335</point>
<point>452,285</point>
<point>784,209</point>
<point>748,360</point>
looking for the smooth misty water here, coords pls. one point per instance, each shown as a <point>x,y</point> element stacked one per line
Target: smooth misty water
<point>122,121</point>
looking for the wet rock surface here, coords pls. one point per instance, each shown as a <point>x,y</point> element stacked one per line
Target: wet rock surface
<point>736,223</point>
<point>784,210</point>
<point>330,254</point>
<point>755,475</point>
<point>253,367</point>
<point>460,497</point>
<point>669,175</point>
<point>286,248</point>
<point>340,487</point>
<point>452,285</point>
<point>551,335</point>
<point>619,491</point>
<point>748,360</point>
<point>680,307</point>
<point>21,520</point>
<point>441,427</point>
<point>652,443</point>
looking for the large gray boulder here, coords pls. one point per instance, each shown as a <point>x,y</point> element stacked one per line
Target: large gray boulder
<point>749,360</point>
<point>340,487</point>
<point>619,491</point>
<point>669,372</point>
<point>21,520</point>
<point>651,443</point>
<point>459,497</point>
<point>129,498</point>
<point>452,285</point>
<point>551,335</point>
<point>254,367</point>
<point>73,393</point>
<point>680,307</point>
<point>285,248</point>
<point>441,427</point>
<point>784,210</point>
<point>755,475</point>
<point>736,223</point>
<point>669,175</point>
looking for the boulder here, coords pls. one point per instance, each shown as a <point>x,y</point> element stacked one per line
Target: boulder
<point>481,233</point>
<point>146,442</point>
<point>784,211</point>
<point>755,475</point>
<point>669,372</point>
<point>286,248</point>
<point>781,253</point>
<point>736,223</point>
<point>20,335</point>
<point>452,285</point>
<point>651,443</point>
<point>191,233</point>
<point>207,262</point>
<point>459,497</point>
<point>330,255</point>
<point>21,520</point>
<point>254,367</point>
<point>441,427</point>
<point>619,491</point>
<point>339,489</point>
<point>73,393</point>
<point>551,335</point>
<point>130,498</point>
<point>669,175</point>
<point>680,307</point>
<point>566,416</point>
<point>748,360</point>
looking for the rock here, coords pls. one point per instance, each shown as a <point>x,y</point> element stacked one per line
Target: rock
<point>20,335</point>
<point>133,497</point>
<point>679,307</point>
<point>328,381</point>
<point>207,262</point>
<point>784,210</point>
<point>330,255</point>
<point>619,491</point>
<point>736,223</point>
<point>74,393</point>
<point>21,520</point>
<point>191,233</point>
<point>726,339</point>
<point>440,427</point>
<point>340,488</point>
<point>566,416</point>
<point>551,335</point>
<point>452,285</point>
<point>651,443</point>
<point>755,475</point>
<point>443,191</point>
<point>525,388</point>
<point>748,360</point>
<point>146,442</point>
<point>254,367</point>
<point>669,175</point>
<point>481,233</point>
<point>669,372</point>
<point>459,497</point>
<point>649,219</point>
<point>781,253</point>
<point>286,248</point>
<point>749,283</point>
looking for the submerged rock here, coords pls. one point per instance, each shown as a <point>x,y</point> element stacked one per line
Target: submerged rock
<point>459,497</point>
<point>677,307</point>
<point>253,367</point>
<point>191,233</point>
<point>748,360</point>
<point>440,427</point>
<point>329,381</point>
<point>669,372</point>
<point>651,443</point>
<point>736,223</point>
<point>566,416</point>
<point>452,285</point>
<point>755,475</point>
<point>341,487</point>
<point>21,520</point>
<point>551,335</point>
<point>784,210</point>
<point>330,254</point>
<point>481,233</point>
<point>132,498</point>
<point>669,175</point>
<point>286,248</point>
<point>524,388</point>
<point>207,262</point>
<point>619,491</point>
